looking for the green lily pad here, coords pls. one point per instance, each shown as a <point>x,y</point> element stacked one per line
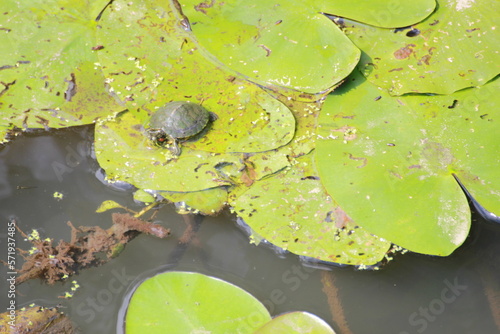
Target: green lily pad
<point>471,133</point>
<point>381,13</point>
<point>276,209</point>
<point>390,161</point>
<point>292,210</point>
<point>248,119</point>
<point>208,202</point>
<point>143,196</point>
<point>200,179</point>
<point>124,151</point>
<point>47,60</point>
<point>183,302</point>
<point>108,205</point>
<point>296,323</point>
<point>254,167</point>
<point>281,43</point>
<point>454,48</point>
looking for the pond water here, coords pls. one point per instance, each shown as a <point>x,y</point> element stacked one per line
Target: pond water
<point>411,294</point>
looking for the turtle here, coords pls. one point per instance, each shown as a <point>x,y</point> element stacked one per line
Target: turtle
<point>175,121</point>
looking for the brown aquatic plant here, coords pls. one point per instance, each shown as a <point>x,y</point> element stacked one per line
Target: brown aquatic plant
<point>89,246</point>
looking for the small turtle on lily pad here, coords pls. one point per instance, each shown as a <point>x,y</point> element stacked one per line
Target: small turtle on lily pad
<point>175,121</point>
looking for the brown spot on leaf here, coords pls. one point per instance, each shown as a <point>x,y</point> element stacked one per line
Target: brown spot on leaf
<point>202,5</point>
<point>396,175</point>
<point>425,59</point>
<point>365,161</point>
<point>268,51</point>
<point>6,86</point>
<point>43,121</point>
<point>404,52</point>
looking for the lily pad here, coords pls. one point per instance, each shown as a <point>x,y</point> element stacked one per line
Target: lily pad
<point>390,161</point>
<point>47,60</point>
<point>290,207</point>
<point>254,167</point>
<point>183,302</point>
<point>281,43</point>
<point>108,205</point>
<point>454,48</point>
<point>201,183</point>
<point>143,196</point>
<point>296,323</point>
<point>292,210</point>
<point>146,77</point>
<point>207,202</point>
<point>124,151</point>
<point>380,13</point>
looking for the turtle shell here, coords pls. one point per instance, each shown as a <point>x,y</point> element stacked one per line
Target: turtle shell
<point>180,119</point>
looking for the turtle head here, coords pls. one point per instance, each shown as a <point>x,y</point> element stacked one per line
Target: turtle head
<point>159,137</point>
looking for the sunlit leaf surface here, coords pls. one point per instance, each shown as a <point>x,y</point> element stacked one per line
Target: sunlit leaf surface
<point>47,72</point>
<point>183,302</point>
<point>285,43</point>
<point>147,77</point>
<point>296,323</point>
<point>454,48</point>
<point>124,151</point>
<point>380,13</point>
<point>293,211</point>
<point>389,161</point>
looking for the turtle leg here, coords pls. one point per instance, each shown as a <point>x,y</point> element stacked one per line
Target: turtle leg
<point>176,148</point>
